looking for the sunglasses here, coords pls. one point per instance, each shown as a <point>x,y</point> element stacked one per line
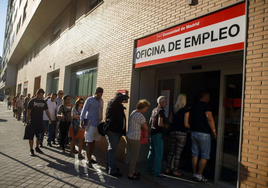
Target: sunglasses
<point>81,103</point>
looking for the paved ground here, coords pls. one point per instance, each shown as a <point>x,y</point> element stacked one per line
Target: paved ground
<point>53,169</point>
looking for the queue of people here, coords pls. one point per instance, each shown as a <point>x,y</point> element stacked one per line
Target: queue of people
<point>59,118</point>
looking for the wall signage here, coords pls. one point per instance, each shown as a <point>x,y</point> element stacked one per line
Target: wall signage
<point>219,32</point>
<point>25,86</point>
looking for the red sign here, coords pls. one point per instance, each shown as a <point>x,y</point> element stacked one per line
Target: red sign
<point>237,103</point>
<point>231,102</point>
<point>25,86</point>
<point>219,32</point>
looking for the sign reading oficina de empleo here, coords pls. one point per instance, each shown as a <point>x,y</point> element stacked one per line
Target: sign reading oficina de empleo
<point>219,32</point>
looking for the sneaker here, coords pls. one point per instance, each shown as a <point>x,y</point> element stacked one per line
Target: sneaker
<point>41,145</point>
<point>37,149</point>
<point>117,174</point>
<point>160,176</point>
<point>201,179</point>
<point>32,152</point>
<point>89,165</point>
<point>93,161</point>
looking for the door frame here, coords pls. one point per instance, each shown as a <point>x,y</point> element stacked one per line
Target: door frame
<point>220,126</point>
<point>177,87</point>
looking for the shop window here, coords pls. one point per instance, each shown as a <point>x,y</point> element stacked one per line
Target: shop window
<point>55,83</point>
<point>56,31</point>
<point>19,89</point>
<point>83,84</point>
<point>93,3</point>
<point>73,14</point>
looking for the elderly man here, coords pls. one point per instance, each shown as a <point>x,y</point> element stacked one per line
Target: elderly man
<point>156,141</point>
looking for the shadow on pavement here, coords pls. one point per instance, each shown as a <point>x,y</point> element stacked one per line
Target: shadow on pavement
<point>3,120</point>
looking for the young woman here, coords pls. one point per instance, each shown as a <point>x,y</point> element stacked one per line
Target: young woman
<point>179,120</point>
<point>74,130</point>
<point>137,123</point>
<point>64,115</point>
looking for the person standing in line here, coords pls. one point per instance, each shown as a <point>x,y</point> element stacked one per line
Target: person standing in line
<point>115,128</point>
<point>202,124</point>
<point>9,102</point>
<point>34,124</point>
<point>93,108</point>
<point>15,108</point>
<point>137,123</point>
<point>64,114</point>
<point>29,96</point>
<point>75,131</point>
<point>52,108</point>
<point>19,102</point>
<point>25,104</point>
<point>180,123</point>
<point>156,141</point>
<point>58,101</point>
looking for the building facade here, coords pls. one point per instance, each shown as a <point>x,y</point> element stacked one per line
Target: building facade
<point>76,45</point>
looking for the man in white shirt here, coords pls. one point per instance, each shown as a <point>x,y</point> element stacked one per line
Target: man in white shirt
<point>20,106</point>
<point>52,108</point>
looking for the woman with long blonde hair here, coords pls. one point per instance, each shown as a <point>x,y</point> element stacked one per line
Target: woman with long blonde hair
<point>179,120</point>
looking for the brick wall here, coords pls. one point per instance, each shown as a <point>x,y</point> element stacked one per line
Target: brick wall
<point>254,168</point>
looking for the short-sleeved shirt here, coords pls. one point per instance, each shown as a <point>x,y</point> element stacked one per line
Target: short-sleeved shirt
<point>66,111</point>
<point>156,113</point>
<point>198,119</point>
<point>136,120</point>
<point>52,108</point>
<point>178,120</point>
<point>37,107</point>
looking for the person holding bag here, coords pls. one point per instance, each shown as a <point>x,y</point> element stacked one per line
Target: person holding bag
<point>137,123</point>
<point>75,131</point>
<point>64,114</point>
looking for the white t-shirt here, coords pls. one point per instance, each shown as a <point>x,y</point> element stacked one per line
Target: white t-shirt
<point>136,119</point>
<point>52,108</point>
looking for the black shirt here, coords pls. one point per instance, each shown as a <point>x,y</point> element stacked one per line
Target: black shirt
<point>156,113</point>
<point>37,107</point>
<point>199,122</point>
<point>178,120</point>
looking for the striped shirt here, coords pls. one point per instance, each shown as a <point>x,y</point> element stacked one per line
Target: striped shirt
<point>136,119</point>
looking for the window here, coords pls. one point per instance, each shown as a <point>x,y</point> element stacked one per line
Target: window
<point>73,14</point>
<point>55,83</point>
<point>25,11</point>
<point>56,31</point>
<point>18,25</point>
<point>83,83</point>
<point>93,3</point>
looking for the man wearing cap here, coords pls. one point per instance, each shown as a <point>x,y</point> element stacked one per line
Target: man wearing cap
<point>34,120</point>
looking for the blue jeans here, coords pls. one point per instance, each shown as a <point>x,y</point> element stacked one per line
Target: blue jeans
<point>51,131</point>
<point>45,126</point>
<point>113,139</point>
<point>155,153</point>
<point>201,143</point>
<point>24,115</point>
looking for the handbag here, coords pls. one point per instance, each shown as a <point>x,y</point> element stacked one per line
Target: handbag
<point>144,137</point>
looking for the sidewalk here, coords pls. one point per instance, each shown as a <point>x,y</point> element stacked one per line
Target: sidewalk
<point>53,169</point>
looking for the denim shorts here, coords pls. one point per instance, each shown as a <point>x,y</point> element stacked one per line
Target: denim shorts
<point>201,143</point>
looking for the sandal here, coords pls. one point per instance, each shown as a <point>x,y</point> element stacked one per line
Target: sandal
<point>80,156</point>
<point>176,175</point>
<point>134,177</point>
<point>137,174</point>
<point>71,154</point>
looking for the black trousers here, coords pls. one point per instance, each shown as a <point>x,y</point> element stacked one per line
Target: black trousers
<point>64,128</point>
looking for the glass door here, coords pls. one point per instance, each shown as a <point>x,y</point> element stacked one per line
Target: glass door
<point>229,129</point>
